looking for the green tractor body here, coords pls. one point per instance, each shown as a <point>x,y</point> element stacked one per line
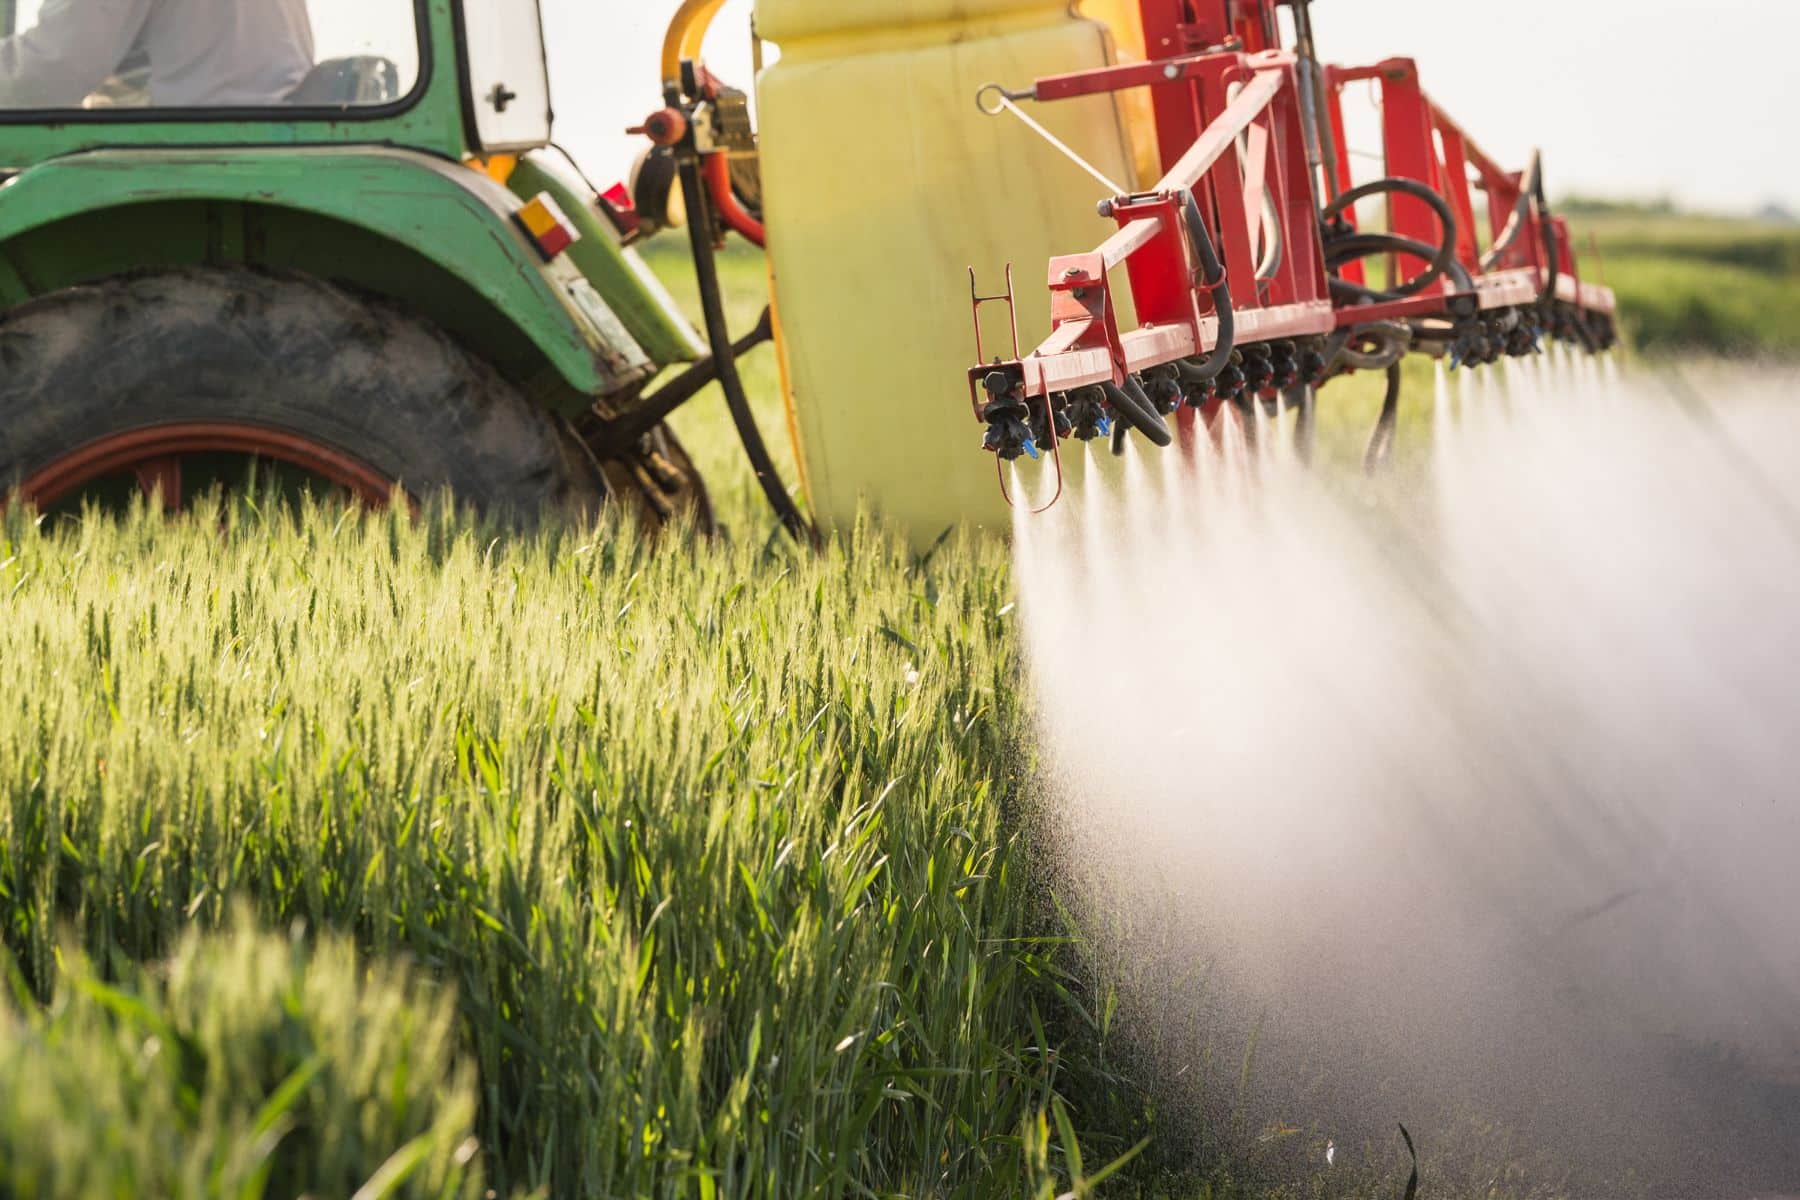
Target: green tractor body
<point>381,192</point>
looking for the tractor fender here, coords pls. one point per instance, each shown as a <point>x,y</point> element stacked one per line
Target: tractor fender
<point>421,230</point>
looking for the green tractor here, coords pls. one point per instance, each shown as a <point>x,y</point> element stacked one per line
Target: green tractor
<point>355,260</point>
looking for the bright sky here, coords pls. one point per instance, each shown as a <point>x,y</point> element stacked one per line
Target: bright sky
<point>1694,99</point>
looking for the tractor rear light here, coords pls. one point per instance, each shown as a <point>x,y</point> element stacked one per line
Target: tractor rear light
<point>621,210</point>
<point>547,225</point>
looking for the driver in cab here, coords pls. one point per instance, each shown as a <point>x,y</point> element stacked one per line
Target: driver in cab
<point>200,53</point>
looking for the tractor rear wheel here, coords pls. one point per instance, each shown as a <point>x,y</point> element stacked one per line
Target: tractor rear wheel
<point>170,381</point>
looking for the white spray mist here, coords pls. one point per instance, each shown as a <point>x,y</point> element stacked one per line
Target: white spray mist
<point>1479,791</point>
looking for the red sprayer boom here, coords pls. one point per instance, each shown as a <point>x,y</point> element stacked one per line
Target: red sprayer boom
<point>1246,265</point>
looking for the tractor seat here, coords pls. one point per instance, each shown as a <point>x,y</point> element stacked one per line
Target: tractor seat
<point>348,83</point>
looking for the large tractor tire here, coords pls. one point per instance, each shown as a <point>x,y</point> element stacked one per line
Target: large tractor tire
<point>161,381</point>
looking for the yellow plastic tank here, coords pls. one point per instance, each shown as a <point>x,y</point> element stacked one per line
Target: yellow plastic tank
<point>1125,19</point>
<point>882,185</point>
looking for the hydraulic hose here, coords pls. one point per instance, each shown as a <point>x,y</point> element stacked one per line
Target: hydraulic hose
<point>1381,445</point>
<point>718,336</point>
<point>1441,261</point>
<point>1552,250</point>
<point>1131,403</point>
<point>1334,349</point>
<point>1304,399</point>
<point>1213,278</point>
<point>1521,213</point>
<point>1361,245</point>
<point>1394,340</point>
<point>1531,194</point>
<point>1314,106</point>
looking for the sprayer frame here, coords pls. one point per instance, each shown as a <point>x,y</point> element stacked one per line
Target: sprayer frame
<point>1238,117</point>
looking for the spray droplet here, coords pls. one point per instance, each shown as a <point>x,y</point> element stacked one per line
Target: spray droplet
<point>1209,605</point>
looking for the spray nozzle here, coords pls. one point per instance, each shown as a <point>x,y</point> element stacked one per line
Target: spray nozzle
<point>1313,366</point>
<point>1086,411</point>
<point>1232,379</point>
<point>1010,438</point>
<point>1259,369</point>
<point>1052,408</point>
<point>1008,432</point>
<point>1163,385</point>
<point>1284,365</point>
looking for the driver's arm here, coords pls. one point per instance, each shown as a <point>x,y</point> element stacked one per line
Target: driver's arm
<point>71,50</point>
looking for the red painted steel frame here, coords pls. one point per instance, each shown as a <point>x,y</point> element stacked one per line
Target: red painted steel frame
<point>1227,103</point>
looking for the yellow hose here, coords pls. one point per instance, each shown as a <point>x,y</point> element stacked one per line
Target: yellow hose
<point>686,32</point>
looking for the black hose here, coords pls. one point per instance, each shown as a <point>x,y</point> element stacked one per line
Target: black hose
<point>1552,251</point>
<point>1432,331</point>
<point>1362,245</point>
<point>1531,192</point>
<point>1441,260</point>
<point>1395,338</point>
<point>718,336</point>
<point>1120,431</point>
<point>1334,347</point>
<point>1390,183</point>
<point>1304,398</point>
<point>1381,445</point>
<point>1515,224</point>
<point>1321,149</point>
<point>1213,279</point>
<point>1135,407</point>
<point>1134,388</point>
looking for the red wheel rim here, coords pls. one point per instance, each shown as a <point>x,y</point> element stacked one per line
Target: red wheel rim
<point>154,455</point>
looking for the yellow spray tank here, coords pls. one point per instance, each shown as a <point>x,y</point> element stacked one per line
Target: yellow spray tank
<point>882,183</point>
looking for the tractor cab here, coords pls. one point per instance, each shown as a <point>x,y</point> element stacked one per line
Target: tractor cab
<point>382,166</point>
<point>316,55</point>
<point>453,78</point>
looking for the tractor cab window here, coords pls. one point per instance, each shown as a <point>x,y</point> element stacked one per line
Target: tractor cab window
<point>200,54</point>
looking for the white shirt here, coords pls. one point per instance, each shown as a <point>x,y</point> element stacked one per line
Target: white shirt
<point>248,53</point>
